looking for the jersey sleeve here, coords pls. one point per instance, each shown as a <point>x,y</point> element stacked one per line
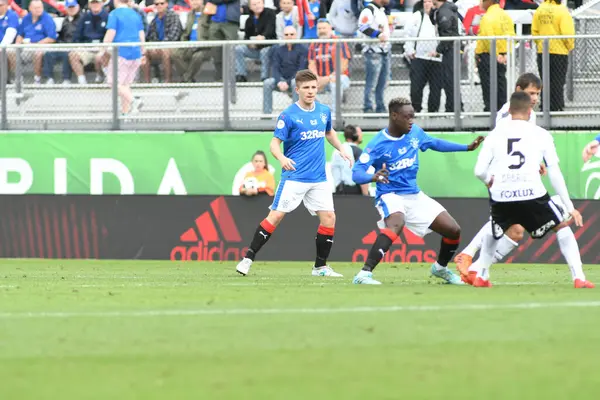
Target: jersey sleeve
<point>427,142</point>
<point>112,22</point>
<point>284,127</point>
<point>365,20</point>
<point>549,151</point>
<point>328,125</point>
<point>364,162</point>
<point>484,159</point>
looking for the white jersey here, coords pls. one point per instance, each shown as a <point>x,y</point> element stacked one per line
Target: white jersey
<point>504,115</point>
<point>512,154</point>
<point>373,19</point>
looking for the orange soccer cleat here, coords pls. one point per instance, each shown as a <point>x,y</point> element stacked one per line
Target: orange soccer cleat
<point>463,262</point>
<point>469,278</point>
<point>579,284</point>
<point>480,282</point>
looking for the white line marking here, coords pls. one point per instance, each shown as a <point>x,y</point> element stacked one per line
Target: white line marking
<point>283,311</point>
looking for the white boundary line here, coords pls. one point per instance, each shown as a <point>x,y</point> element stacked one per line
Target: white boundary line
<point>286,311</point>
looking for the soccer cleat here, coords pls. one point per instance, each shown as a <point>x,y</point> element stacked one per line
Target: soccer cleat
<point>469,278</point>
<point>463,262</point>
<point>480,282</point>
<point>365,278</point>
<point>446,275</point>
<point>581,284</point>
<point>325,271</point>
<point>244,266</point>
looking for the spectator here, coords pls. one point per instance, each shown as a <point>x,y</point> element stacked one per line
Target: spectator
<point>309,12</point>
<point>287,60</point>
<point>495,22</point>
<point>341,169</point>
<point>445,17</point>
<point>90,29</point>
<point>224,25</point>
<point>321,62</point>
<point>374,24</point>
<point>553,19</point>
<point>189,60</point>
<point>9,23</point>
<point>125,26</point>
<point>259,26</point>
<point>288,17</point>
<point>342,18</point>
<point>165,27</point>
<point>473,19</point>
<point>261,180</point>
<point>36,27</point>
<point>424,69</point>
<point>66,35</point>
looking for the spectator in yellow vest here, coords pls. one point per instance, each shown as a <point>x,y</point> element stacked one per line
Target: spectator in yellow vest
<point>553,19</point>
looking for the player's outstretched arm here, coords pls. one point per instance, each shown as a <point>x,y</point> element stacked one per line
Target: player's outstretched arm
<point>286,163</point>
<point>445,146</point>
<point>332,138</point>
<point>591,148</point>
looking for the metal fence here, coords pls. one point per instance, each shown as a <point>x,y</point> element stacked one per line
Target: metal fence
<point>180,89</point>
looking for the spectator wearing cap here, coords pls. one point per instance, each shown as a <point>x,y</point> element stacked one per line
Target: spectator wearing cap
<point>341,170</point>
<point>9,23</point>
<point>259,26</point>
<point>125,26</point>
<point>288,17</point>
<point>165,27</point>
<point>287,60</point>
<point>189,60</point>
<point>66,35</point>
<point>90,29</point>
<point>321,61</point>
<point>36,27</point>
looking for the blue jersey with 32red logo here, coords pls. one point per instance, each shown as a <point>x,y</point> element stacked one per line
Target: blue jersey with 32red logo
<point>303,135</point>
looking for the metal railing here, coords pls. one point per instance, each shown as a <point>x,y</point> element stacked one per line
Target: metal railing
<point>222,100</point>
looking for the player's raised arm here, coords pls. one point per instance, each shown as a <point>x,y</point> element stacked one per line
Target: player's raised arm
<point>591,148</point>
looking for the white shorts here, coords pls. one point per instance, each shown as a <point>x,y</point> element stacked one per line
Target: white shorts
<point>316,196</point>
<point>419,210</point>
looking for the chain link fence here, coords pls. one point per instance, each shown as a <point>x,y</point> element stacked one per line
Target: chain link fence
<point>177,86</point>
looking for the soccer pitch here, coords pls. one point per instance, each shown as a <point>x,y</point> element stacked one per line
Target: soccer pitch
<point>163,330</point>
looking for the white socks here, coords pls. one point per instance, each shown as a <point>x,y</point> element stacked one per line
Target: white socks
<point>505,246</point>
<point>439,267</point>
<point>570,251</point>
<point>475,245</point>
<point>486,257</point>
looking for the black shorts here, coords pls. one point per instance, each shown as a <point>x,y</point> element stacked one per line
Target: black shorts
<point>537,216</point>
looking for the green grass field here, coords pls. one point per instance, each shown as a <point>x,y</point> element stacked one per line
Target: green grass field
<point>161,330</point>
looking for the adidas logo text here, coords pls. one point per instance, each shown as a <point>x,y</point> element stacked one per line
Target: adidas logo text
<point>206,242</point>
<point>397,254</point>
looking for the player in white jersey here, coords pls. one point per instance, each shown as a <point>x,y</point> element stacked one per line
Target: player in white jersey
<point>532,85</point>
<point>508,164</point>
<point>302,128</point>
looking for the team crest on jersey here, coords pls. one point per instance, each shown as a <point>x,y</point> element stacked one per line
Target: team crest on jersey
<point>402,151</point>
<point>414,142</point>
<point>324,118</point>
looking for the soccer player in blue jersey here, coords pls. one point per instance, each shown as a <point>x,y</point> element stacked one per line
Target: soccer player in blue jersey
<point>394,153</point>
<point>591,148</point>
<point>302,128</point>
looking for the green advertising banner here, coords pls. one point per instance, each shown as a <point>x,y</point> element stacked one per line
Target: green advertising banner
<point>215,163</point>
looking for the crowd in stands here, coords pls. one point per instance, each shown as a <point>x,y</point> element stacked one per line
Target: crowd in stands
<point>431,62</point>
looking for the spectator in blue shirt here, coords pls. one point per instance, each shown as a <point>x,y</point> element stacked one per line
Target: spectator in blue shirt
<point>165,27</point>
<point>36,27</point>
<point>66,35</point>
<point>125,26</point>
<point>9,23</point>
<point>287,59</point>
<point>90,29</point>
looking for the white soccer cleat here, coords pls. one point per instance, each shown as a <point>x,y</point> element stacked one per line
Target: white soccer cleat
<point>325,271</point>
<point>244,266</point>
